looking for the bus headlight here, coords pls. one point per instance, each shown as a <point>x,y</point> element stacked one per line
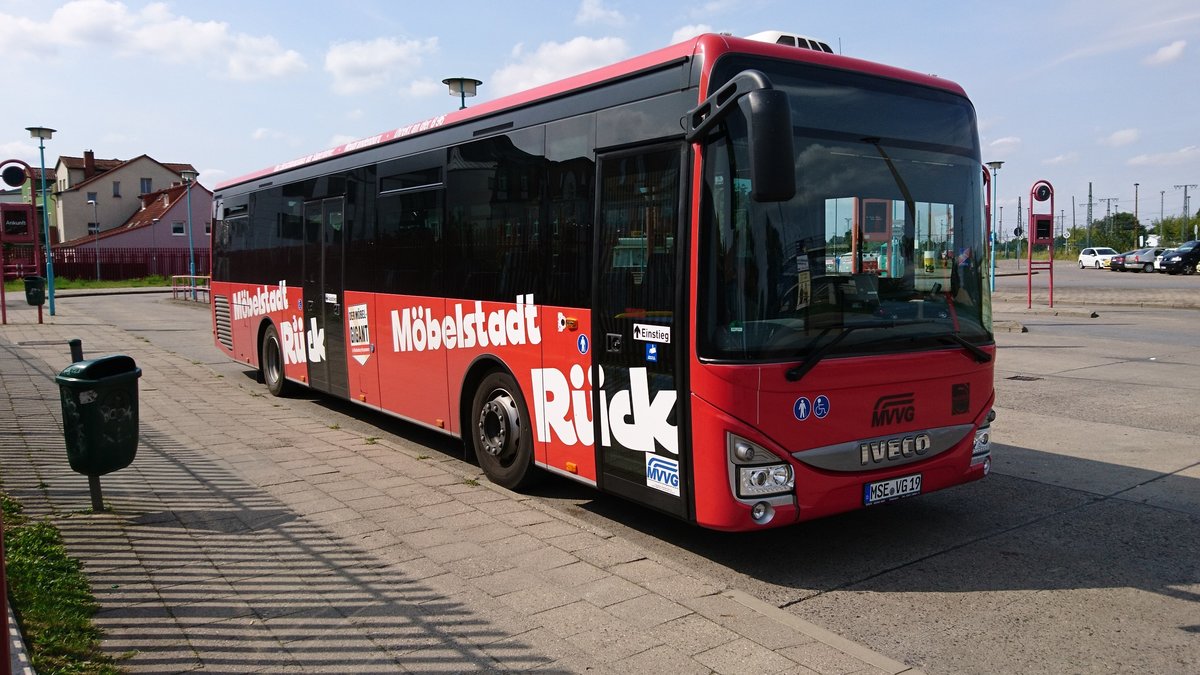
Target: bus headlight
<point>760,481</point>
<point>756,471</point>
<point>981,450</point>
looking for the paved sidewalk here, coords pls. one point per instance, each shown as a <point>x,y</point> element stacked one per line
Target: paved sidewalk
<point>247,538</point>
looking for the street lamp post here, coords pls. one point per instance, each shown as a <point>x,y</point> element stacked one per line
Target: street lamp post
<point>44,134</point>
<point>189,177</point>
<point>994,166</point>
<point>1137,224</point>
<point>96,240</point>
<point>462,87</point>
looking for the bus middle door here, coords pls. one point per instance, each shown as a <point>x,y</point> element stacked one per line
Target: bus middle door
<point>637,345</point>
<point>324,323</point>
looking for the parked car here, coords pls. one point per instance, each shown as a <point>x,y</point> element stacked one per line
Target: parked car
<point>1141,260</point>
<point>1158,260</point>
<point>1097,257</point>
<point>1185,259</point>
<point>1117,262</point>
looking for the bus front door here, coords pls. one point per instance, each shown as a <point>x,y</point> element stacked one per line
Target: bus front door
<point>324,323</point>
<point>638,348</point>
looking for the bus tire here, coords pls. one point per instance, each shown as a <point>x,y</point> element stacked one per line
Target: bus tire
<point>270,362</point>
<point>500,432</point>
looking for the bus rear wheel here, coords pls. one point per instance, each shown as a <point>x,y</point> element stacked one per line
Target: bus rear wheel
<point>500,432</point>
<point>271,362</point>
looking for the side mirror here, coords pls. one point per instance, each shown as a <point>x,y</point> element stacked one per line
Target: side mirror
<point>769,127</point>
<point>772,155</point>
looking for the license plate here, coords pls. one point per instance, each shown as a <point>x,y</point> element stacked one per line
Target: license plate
<point>887,490</point>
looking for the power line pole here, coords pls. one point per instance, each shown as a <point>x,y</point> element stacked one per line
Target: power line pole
<point>1186,206</point>
<point>1089,216</point>
<point>1108,210</point>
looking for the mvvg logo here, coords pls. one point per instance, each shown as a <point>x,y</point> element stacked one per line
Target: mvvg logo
<point>662,473</point>
<point>893,409</point>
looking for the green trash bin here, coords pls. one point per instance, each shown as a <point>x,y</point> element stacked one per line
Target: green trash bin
<point>35,290</point>
<point>100,413</point>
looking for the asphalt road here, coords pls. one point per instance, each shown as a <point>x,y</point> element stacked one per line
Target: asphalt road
<point>1081,552</point>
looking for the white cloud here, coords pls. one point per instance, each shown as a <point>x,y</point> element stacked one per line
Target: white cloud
<point>151,31</point>
<point>689,32</point>
<point>1006,144</point>
<point>361,66</point>
<point>266,134</point>
<point>1174,158</point>
<point>594,11</point>
<point>1167,54</point>
<point>1119,138</point>
<point>1065,158</point>
<point>426,87</point>
<point>556,60</point>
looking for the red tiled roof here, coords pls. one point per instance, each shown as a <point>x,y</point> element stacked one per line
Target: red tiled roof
<point>103,166</point>
<point>153,211</point>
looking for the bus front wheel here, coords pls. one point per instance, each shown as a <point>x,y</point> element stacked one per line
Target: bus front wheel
<point>500,432</point>
<point>271,362</point>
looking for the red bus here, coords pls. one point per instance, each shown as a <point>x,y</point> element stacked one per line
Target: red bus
<point>631,278</point>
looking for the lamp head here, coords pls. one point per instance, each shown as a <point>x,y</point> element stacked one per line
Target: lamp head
<point>188,175</point>
<point>43,133</point>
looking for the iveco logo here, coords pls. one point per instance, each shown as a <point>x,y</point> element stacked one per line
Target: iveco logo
<point>893,409</point>
<point>892,449</point>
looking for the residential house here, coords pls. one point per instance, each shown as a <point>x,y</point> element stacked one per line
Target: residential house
<point>160,222</point>
<point>106,192</point>
<point>31,193</point>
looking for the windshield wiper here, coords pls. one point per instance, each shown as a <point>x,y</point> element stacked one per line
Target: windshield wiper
<point>798,371</point>
<point>978,354</point>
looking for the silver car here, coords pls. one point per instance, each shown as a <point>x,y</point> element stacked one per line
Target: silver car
<point>1142,260</point>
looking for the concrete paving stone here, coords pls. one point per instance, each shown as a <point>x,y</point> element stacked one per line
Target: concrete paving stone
<point>692,634</point>
<point>718,608</point>
<point>444,509</point>
<point>642,571</point>
<point>685,586</point>
<point>442,659</point>
<point>609,590</point>
<point>419,495</point>
<point>476,567</point>
<point>824,659</point>
<point>507,581</point>
<point>576,541</point>
<point>428,538</point>
<point>353,528</point>
<point>575,574</point>
<point>458,550</point>
<point>613,641</point>
<point>647,611</point>
<point>415,569</point>
<point>524,517</point>
<point>550,528</point>
<point>536,599</point>
<point>538,650</point>
<point>328,517</point>
<point>515,545</point>
<point>474,519</point>
<point>576,617</point>
<point>662,659</point>
<point>610,553</point>
<point>743,657</point>
<point>768,633</point>
<point>544,558</point>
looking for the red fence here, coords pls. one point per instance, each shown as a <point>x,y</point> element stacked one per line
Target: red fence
<point>115,263</point>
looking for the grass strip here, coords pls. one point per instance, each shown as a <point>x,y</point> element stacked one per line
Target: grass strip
<point>51,597</point>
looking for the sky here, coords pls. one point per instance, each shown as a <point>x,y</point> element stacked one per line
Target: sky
<point>1105,92</point>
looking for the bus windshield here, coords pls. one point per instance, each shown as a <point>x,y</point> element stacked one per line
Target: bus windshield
<point>883,246</point>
